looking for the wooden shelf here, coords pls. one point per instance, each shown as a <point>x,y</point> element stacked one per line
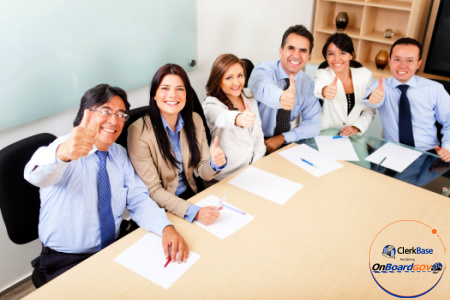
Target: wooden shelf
<point>367,21</point>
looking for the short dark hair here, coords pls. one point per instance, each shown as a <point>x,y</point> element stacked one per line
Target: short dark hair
<point>97,96</point>
<point>299,30</point>
<point>407,41</point>
<point>342,41</point>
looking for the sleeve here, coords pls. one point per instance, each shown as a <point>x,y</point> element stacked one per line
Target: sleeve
<point>204,168</point>
<point>139,150</point>
<point>217,114</point>
<point>369,91</point>
<point>45,168</point>
<point>310,123</point>
<point>321,80</point>
<point>191,213</point>
<point>443,115</point>
<point>367,113</point>
<point>259,146</point>
<point>263,86</point>
<point>143,210</point>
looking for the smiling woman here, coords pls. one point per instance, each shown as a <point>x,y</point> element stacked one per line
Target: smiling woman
<point>232,114</point>
<point>342,88</point>
<point>169,142</point>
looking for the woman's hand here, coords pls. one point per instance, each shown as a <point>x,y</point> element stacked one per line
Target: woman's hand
<point>217,155</point>
<point>329,92</point>
<point>246,118</point>
<point>208,215</point>
<point>349,130</point>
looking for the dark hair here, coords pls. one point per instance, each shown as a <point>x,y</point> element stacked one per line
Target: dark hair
<point>249,66</point>
<point>186,113</point>
<point>342,41</point>
<point>407,41</point>
<point>218,70</point>
<point>97,96</point>
<point>299,30</point>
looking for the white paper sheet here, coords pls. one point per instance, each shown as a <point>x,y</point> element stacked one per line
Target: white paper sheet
<point>339,148</point>
<point>322,164</point>
<point>266,185</point>
<point>146,257</point>
<point>229,221</point>
<point>394,157</point>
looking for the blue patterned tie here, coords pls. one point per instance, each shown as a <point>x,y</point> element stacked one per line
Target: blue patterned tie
<point>405,131</point>
<point>107,226</point>
<point>283,121</point>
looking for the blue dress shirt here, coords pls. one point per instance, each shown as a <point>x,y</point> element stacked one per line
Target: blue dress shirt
<point>68,219</point>
<point>267,83</point>
<point>429,103</point>
<point>174,138</point>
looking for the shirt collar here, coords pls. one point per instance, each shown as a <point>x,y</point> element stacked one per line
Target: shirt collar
<point>282,74</point>
<point>180,124</point>
<point>412,82</point>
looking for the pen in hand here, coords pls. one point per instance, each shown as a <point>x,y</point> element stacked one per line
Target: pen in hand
<point>168,261</point>
<point>220,202</point>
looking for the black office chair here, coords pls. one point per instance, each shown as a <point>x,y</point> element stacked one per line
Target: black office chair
<point>19,200</point>
<point>249,66</point>
<point>135,114</point>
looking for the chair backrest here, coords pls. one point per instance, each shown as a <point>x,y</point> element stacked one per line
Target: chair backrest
<point>19,200</point>
<point>249,66</point>
<point>135,114</point>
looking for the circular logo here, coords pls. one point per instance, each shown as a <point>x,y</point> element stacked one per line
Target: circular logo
<point>406,258</point>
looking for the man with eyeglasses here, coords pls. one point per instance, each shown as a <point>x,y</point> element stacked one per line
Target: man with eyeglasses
<point>410,105</point>
<point>86,181</point>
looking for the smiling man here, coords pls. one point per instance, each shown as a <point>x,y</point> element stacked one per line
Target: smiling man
<point>86,181</point>
<point>410,105</point>
<point>284,92</point>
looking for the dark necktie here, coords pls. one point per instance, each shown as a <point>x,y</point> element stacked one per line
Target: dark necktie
<point>283,117</point>
<point>107,226</point>
<point>405,131</point>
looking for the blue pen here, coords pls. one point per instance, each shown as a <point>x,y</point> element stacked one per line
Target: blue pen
<point>234,209</point>
<point>309,163</point>
<point>338,137</point>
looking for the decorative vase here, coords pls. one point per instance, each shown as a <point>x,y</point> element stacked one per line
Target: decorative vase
<point>388,33</point>
<point>381,60</point>
<point>341,21</point>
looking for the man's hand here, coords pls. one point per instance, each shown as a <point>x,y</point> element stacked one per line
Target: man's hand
<point>443,153</point>
<point>208,215</point>
<point>378,93</point>
<point>349,130</point>
<point>80,142</point>
<point>329,92</point>
<point>273,143</point>
<point>246,118</point>
<point>217,155</point>
<point>287,98</point>
<point>174,243</point>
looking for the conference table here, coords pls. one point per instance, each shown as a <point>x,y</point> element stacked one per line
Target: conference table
<point>315,246</point>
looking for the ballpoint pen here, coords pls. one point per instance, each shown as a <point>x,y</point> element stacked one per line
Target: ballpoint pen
<point>309,163</point>
<point>338,137</point>
<point>234,209</point>
<point>381,162</point>
<point>220,202</point>
<point>168,261</point>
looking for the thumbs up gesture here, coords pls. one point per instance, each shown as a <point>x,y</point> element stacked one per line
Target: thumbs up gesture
<point>217,155</point>
<point>378,93</point>
<point>246,118</point>
<point>329,92</point>
<point>80,141</point>
<point>287,98</point>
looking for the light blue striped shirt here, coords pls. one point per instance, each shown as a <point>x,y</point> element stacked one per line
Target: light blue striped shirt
<point>68,220</point>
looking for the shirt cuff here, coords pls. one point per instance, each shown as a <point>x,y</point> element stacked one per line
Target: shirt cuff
<point>289,137</point>
<point>216,168</point>
<point>191,213</point>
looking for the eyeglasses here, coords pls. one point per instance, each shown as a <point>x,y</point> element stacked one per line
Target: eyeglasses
<point>108,114</point>
<point>409,62</point>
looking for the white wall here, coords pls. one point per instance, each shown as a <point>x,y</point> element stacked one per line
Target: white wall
<point>247,28</point>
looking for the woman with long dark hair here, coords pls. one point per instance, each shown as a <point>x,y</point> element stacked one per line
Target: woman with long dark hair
<point>232,114</point>
<point>169,142</point>
<point>342,85</point>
